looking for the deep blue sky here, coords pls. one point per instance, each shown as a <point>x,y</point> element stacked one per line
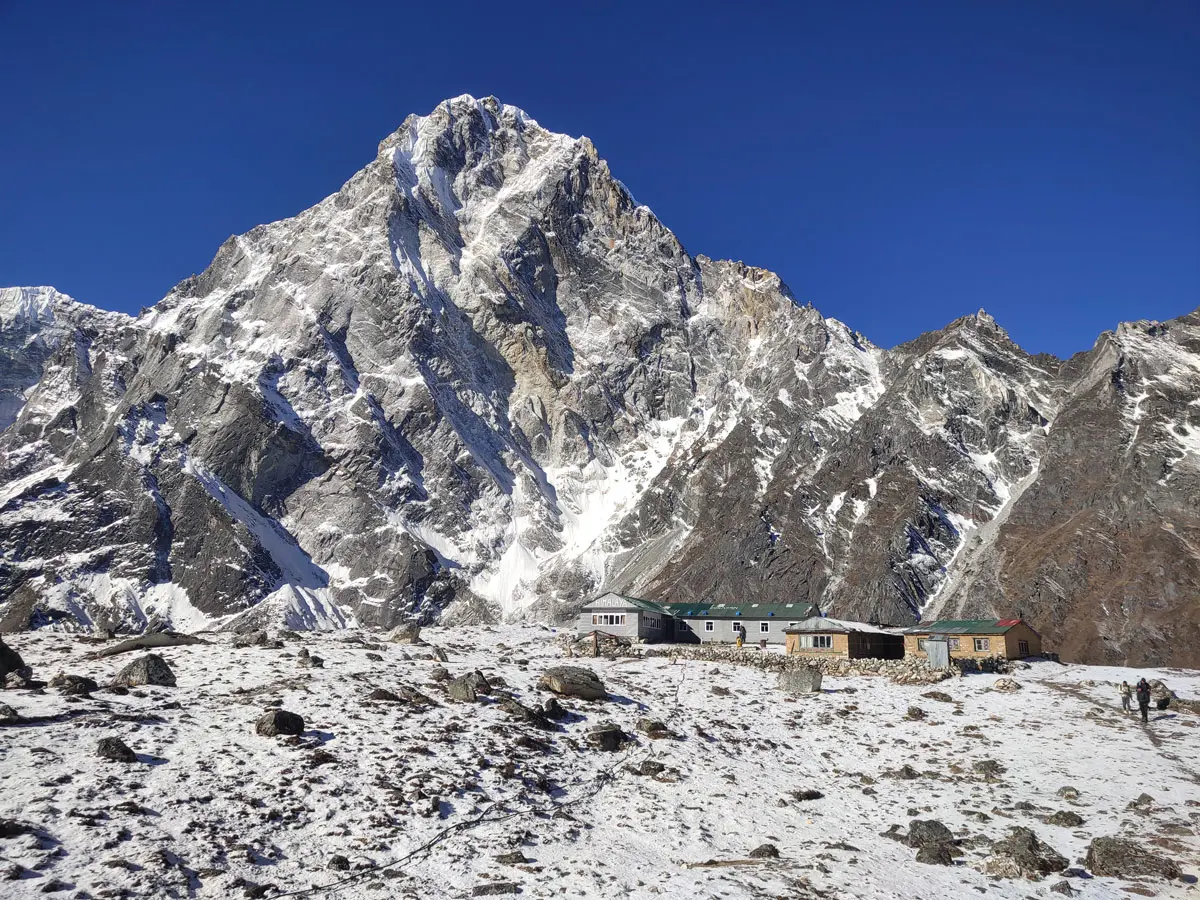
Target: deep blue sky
<point>899,164</point>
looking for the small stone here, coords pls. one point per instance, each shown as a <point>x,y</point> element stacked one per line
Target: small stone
<point>1068,793</point>
<point>73,685</point>
<point>765,851</point>
<point>939,696</point>
<point>915,713</point>
<point>1065,818</point>
<point>553,710</point>
<point>115,749</point>
<point>383,695</point>
<point>607,737</point>
<point>513,858</point>
<point>8,714</point>
<point>494,889</point>
<point>806,795</point>
<point>279,721</point>
<point>1006,685</point>
<point>1062,887</point>
<point>653,728</point>
<point>338,863</point>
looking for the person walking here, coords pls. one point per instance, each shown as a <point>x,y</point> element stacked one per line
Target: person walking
<point>741,635</point>
<point>1143,699</point>
<point>1126,695</point>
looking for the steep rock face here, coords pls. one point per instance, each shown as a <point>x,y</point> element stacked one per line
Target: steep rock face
<point>481,379</point>
<point>1101,549</point>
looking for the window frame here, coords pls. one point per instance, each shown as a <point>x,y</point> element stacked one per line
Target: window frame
<point>921,642</point>
<point>983,645</point>
<point>764,627</point>
<point>710,626</point>
<point>1023,647</point>
<point>609,619</point>
<point>953,644</point>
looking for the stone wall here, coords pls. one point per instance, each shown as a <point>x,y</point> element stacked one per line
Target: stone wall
<point>902,671</point>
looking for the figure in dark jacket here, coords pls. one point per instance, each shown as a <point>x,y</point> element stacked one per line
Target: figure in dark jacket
<point>1143,699</point>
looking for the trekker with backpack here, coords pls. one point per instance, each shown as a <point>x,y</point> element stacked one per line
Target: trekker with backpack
<point>1143,699</point>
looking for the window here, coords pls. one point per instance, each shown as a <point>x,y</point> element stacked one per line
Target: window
<point>1023,648</point>
<point>954,643</point>
<point>921,644</point>
<point>710,626</point>
<point>608,619</point>
<point>816,641</point>
<point>651,621</point>
<point>764,627</point>
<point>982,645</point>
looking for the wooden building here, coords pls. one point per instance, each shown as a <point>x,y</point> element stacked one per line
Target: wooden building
<point>975,638</point>
<point>819,637</point>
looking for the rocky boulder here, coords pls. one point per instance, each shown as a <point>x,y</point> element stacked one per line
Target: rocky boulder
<point>10,661</point>
<point>573,681</point>
<point>1006,685</point>
<point>806,680</point>
<point>1123,858</point>
<point>8,714</point>
<point>526,714</point>
<point>462,689</point>
<point>150,669</point>
<point>607,737</point>
<point>279,721</point>
<point>1022,855</point>
<point>73,685</point>
<point>405,633</point>
<point>115,750</point>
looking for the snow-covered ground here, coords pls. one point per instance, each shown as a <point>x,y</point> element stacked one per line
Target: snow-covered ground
<point>212,809</point>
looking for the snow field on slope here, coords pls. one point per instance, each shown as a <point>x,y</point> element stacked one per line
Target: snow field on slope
<point>210,806</point>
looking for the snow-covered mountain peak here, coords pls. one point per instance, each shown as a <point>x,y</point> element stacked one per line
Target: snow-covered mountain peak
<point>480,378</point>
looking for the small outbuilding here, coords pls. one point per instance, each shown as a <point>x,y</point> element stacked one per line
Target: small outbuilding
<point>630,617</point>
<point>975,638</point>
<point>818,637</point>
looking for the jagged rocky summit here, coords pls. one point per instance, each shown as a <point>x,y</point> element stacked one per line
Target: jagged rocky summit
<point>480,381</point>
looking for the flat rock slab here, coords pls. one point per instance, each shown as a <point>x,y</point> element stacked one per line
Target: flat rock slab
<point>149,642</point>
<point>573,681</point>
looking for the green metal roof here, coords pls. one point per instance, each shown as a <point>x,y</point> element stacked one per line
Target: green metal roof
<point>965,626</point>
<point>795,611</point>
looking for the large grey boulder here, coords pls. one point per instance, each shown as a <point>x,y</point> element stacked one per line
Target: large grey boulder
<point>805,680</point>
<point>1123,858</point>
<point>150,669</point>
<point>573,681</point>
